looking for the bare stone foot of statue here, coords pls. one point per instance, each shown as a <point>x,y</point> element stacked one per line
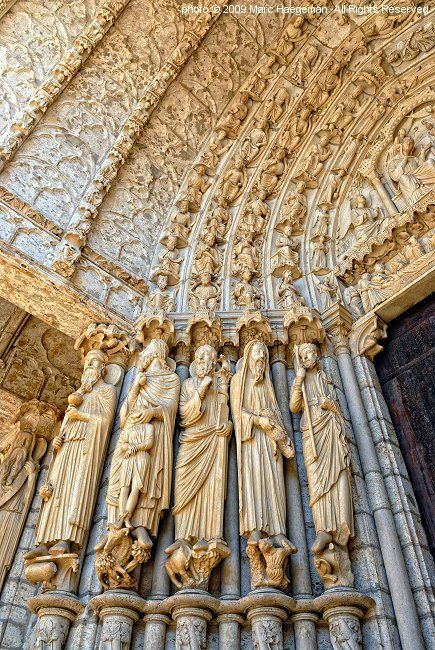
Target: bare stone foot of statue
<point>322,539</point>
<point>39,551</point>
<point>201,545</point>
<point>128,523</point>
<point>59,549</point>
<point>142,537</point>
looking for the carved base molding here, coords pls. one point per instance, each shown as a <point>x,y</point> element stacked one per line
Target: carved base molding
<point>265,609</point>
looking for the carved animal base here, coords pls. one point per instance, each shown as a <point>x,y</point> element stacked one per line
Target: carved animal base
<point>116,557</point>
<point>333,566</point>
<point>191,566</point>
<point>269,563</point>
<point>52,571</point>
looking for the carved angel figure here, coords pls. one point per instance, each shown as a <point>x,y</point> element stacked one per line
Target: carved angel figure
<point>237,113</point>
<point>411,170</point>
<point>304,65</point>
<point>326,451</point>
<point>233,182</point>
<point>196,186</point>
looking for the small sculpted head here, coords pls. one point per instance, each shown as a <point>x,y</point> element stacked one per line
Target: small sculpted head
<point>205,360</point>
<point>94,365</point>
<point>257,361</point>
<point>309,355</point>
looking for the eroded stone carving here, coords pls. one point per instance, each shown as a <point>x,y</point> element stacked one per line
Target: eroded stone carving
<point>327,459</point>
<point>21,451</point>
<point>200,477</point>
<point>261,442</point>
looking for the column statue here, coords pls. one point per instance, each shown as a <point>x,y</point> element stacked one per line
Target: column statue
<point>140,473</point>
<point>327,459</point>
<point>74,474</point>
<point>261,444</point>
<point>201,472</point>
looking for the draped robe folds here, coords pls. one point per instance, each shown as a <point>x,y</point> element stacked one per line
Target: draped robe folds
<point>161,390</point>
<point>75,470</point>
<point>413,176</point>
<point>200,479</point>
<point>262,501</point>
<point>329,474</point>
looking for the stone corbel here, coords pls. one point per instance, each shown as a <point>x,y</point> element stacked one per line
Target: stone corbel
<point>154,326</point>
<point>253,326</point>
<point>337,321</point>
<point>365,336</point>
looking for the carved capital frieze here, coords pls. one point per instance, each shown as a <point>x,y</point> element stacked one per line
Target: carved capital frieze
<point>253,326</point>
<point>110,339</point>
<point>152,325</point>
<point>337,322</point>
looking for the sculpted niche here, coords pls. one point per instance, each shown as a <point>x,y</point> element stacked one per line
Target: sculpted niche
<point>261,444</point>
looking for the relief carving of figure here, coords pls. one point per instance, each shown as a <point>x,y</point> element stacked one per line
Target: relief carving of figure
<point>363,220</point>
<point>196,186</point>
<point>169,262</point>
<point>254,141</point>
<point>296,129</point>
<point>327,459</point>
<point>292,34</point>
<point>372,287</point>
<point>286,257</point>
<point>261,444</point>
<point>275,107</point>
<point>200,477</point>
<point>304,65</point>
<point>271,171</point>
<point>140,473</point>
<point>204,294</point>
<point>79,451</point>
<point>233,182</point>
<point>294,210</point>
<point>232,122</point>
<point>21,449</point>
<point>159,300</point>
<point>257,85</point>
<point>412,171</point>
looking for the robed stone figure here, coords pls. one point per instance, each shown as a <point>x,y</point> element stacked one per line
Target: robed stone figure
<point>325,448</point>
<point>201,471</point>
<point>74,473</point>
<point>261,442</point>
<point>140,474</point>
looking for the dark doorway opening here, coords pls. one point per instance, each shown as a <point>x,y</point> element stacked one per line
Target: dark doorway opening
<point>406,369</point>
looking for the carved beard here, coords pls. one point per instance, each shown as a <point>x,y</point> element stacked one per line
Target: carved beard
<point>90,378</point>
<point>258,371</point>
<point>203,369</point>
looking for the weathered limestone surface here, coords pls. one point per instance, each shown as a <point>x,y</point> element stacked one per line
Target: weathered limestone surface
<point>206,195</point>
